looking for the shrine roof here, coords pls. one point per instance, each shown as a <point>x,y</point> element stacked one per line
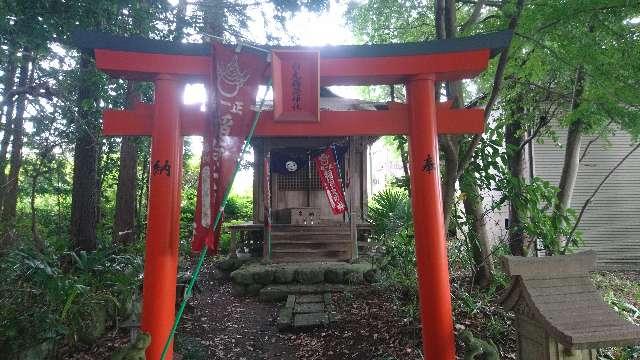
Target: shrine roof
<point>495,42</point>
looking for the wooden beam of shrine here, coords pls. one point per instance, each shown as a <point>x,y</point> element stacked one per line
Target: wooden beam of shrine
<point>396,69</point>
<point>145,66</point>
<point>395,121</point>
<point>333,71</point>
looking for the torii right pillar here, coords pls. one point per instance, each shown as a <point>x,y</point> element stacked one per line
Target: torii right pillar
<point>431,251</point>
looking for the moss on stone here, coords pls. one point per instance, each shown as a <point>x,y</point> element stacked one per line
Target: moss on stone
<point>311,275</point>
<point>238,289</point>
<point>264,276</point>
<point>253,289</point>
<point>91,323</point>
<point>242,276</point>
<point>334,275</point>
<point>284,275</point>
<point>354,278</point>
<point>372,276</point>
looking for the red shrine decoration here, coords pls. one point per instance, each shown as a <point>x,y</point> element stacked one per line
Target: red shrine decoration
<point>296,85</point>
<point>234,87</point>
<point>419,66</point>
<point>327,168</point>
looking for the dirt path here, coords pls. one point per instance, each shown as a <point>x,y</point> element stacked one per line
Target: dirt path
<point>218,325</point>
<point>222,326</point>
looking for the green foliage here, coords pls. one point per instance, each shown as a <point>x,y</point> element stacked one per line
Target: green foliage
<point>534,201</point>
<point>64,296</point>
<point>386,21</point>
<point>390,215</point>
<point>239,208</point>
<point>623,295</point>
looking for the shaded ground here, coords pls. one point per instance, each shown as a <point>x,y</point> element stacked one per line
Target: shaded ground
<point>223,326</point>
<point>370,325</point>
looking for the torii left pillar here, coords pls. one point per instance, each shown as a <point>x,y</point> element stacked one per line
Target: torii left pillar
<point>163,219</point>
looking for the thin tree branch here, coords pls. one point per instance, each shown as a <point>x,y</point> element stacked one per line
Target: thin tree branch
<point>496,4</point>
<point>542,123</point>
<point>542,45</point>
<point>475,16</point>
<point>473,103</point>
<point>497,83</point>
<point>42,90</point>
<point>591,142</point>
<point>590,198</point>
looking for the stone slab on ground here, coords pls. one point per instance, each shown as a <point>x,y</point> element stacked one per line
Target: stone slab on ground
<point>306,311</point>
<point>305,321</point>
<point>313,298</point>
<point>309,307</point>
<point>276,293</point>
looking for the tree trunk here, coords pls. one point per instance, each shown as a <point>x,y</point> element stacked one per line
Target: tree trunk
<point>571,154</point>
<point>143,184</point>
<point>450,151</point>
<point>11,193</point>
<point>8,83</point>
<point>449,144</point>
<point>37,241</point>
<point>514,138</point>
<point>83,195</point>
<point>99,178</point>
<point>181,16</point>
<point>478,236</point>
<point>124,231</point>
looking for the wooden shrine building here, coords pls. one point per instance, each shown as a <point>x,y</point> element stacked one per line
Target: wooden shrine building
<point>303,226</point>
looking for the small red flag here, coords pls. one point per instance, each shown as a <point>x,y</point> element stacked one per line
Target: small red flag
<point>327,168</point>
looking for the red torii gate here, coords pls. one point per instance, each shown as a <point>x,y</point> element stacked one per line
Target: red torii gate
<point>418,65</point>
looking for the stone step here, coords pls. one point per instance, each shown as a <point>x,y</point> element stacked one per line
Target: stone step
<point>303,312</point>
<point>308,255</point>
<point>300,240</point>
<point>344,228</point>
<point>309,234</point>
<point>309,239</point>
<point>276,293</point>
<point>333,245</point>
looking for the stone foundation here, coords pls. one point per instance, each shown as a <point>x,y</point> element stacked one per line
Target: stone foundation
<point>250,279</point>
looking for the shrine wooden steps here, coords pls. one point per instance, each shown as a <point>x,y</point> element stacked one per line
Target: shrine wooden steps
<point>304,243</point>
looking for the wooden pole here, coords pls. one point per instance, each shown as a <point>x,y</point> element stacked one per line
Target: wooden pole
<point>161,257</point>
<point>352,199</point>
<point>426,200</point>
<point>266,246</point>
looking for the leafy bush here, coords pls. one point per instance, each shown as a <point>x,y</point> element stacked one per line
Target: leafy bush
<point>390,215</point>
<point>535,202</point>
<point>622,293</point>
<point>239,207</point>
<point>68,297</point>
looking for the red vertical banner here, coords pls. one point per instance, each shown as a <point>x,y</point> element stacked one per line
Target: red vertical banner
<point>327,168</point>
<point>235,78</point>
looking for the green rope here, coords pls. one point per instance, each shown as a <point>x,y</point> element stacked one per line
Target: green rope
<point>203,253</point>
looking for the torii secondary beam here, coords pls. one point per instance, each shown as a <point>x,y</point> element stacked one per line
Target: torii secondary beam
<point>395,121</point>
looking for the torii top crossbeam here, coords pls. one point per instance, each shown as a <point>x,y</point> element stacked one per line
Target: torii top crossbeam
<point>418,65</point>
<point>144,59</point>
